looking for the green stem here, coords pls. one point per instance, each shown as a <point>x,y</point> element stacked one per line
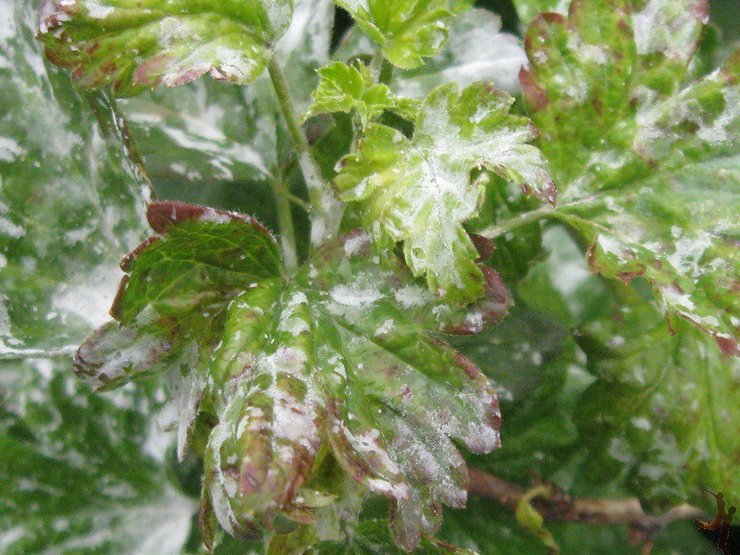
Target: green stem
<point>325,210</point>
<point>501,228</point>
<point>285,219</point>
<point>7,353</point>
<point>298,201</point>
<point>381,69</point>
<point>114,123</point>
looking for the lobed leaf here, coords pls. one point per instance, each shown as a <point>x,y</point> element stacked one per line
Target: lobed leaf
<point>332,359</point>
<point>339,357</point>
<point>407,31</point>
<point>136,45</point>
<point>348,88</point>
<point>419,190</point>
<point>648,173</point>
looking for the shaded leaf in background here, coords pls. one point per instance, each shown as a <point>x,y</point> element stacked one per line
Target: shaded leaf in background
<point>83,472</point>
<point>647,172</point>
<point>69,204</point>
<point>134,45</point>
<point>527,357</point>
<point>419,190</point>
<point>514,253</point>
<point>625,408</point>
<point>371,537</point>
<point>661,412</point>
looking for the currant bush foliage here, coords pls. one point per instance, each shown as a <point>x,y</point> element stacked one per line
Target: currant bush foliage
<point>655,159</point>
<point>334,405</point>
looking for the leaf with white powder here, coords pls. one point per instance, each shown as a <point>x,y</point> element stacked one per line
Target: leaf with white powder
<point>408,30</point>
<point>647,171</point>
<point>419,190</point>
<point>135,45</point>
<point>340,358</point>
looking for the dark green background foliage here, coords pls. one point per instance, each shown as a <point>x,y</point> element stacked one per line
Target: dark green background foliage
<point>596,395</point>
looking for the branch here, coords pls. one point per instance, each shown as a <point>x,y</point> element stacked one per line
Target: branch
<point>9,353</point>
<point>113,122</point>
<point>560,507</point>
<point>325,209</point>
<point>285,219</point>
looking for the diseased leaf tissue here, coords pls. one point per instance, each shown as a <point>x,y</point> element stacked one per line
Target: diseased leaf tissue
<point>322,398</point>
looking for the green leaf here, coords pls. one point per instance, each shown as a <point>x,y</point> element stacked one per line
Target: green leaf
<point>70,202</point>
<point>419,190</point>
<point>82,472</point>
<point>659,415</point>
<point>647,172</point>
<point>346,89</point>
<point>172,305</point>
<point>477,50</point>
<point>136,45</point>
<point>203,257</point>
<point>372,537</point>
<point>340,357</point>
<point>407,31</point>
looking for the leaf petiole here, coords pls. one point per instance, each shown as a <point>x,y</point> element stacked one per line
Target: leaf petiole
<point>325,209</point>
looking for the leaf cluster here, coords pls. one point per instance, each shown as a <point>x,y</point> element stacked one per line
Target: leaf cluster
<point>373,266</point>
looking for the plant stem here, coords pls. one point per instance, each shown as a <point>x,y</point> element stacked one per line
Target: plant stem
<point>325,209</point>
<point>381,69</point>
<point>285,219</point>
<point>494,231</point>
<point>561,507</point>
<point>113,122</point>
<point>298,201</point>
<point>7,353</point>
